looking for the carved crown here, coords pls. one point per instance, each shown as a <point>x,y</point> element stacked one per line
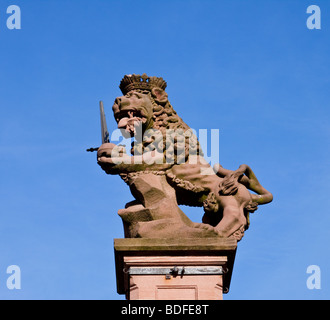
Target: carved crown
<point>134,81</point>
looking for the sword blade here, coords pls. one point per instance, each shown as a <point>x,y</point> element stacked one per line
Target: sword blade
<point>104,129</point>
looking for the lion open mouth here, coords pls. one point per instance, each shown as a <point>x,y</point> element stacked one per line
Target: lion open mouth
<point>130,121</point>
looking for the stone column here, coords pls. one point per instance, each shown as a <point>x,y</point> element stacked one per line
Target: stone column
<point>170,269</point>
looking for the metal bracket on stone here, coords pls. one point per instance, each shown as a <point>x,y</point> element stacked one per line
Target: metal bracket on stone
<point>176,271</point>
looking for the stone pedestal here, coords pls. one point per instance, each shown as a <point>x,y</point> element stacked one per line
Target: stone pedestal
<point>170,269</point>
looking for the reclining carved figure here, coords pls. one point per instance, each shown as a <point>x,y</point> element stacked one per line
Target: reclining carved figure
<point>167,169</point>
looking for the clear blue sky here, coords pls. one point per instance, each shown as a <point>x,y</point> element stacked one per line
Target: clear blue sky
<point>249,68</point>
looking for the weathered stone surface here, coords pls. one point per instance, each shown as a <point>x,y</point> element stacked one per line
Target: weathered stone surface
<point>177,245</point>
<point>150,253</point>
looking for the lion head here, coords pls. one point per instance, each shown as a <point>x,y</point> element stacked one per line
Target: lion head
<point>145,107</point>
<point>133,111</point>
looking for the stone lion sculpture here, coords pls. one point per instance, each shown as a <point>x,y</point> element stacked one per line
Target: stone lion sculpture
<point>167,169</point>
